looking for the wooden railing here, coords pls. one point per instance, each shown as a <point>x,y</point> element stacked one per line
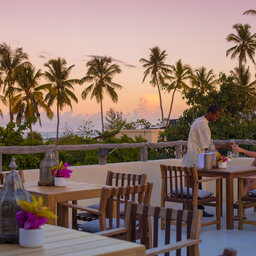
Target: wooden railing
<point>144,146</point>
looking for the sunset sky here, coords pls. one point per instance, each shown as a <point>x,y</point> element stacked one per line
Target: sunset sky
<point>194,31</point>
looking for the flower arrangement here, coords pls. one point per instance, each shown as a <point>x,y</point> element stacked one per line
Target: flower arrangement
<point>33,215</point>
<point>220,158</point>
<point>61,170</point>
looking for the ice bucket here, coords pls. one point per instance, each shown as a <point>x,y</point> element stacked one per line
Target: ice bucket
<point>205,160</point>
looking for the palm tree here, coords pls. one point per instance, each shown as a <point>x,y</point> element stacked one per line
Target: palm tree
<point>10,59</point>
<point>245,43</point>
<point>101,72</point>
<point>242,77</point>
<point>250,12</point>
<point>157,70</point>
<point>29,96</point>
<point>203,80</point>
<point>61,87</point>
<point>180,74</point>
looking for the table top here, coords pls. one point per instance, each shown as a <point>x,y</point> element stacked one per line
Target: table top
<point>62,241</point>
<point>52,190</point>
<point>231,170</point>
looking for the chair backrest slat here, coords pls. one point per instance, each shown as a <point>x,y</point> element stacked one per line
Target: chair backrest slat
<point>181,181</point>
<point>168,226</point>
<point>179,230</point>
<point>192,218</point>
<point>177,181</point>
<point>115,198</point>
<point>123,179</point>
<point>155,227</point>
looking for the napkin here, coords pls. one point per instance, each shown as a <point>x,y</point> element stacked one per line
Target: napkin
<point>200,160</point>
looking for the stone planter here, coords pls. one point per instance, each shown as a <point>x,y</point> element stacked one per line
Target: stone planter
<point>31,238</point>
<point>60,182</point>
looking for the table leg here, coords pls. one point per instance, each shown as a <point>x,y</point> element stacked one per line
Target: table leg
<point>229,203</point>
<point>62,216</point>
<point>51,204</point>
<point>221,197</point>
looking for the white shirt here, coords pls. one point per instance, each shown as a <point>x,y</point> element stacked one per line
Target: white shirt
<point>199,137</point>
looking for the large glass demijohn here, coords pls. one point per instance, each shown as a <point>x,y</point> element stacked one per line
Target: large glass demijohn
<point>13,190</point>
<point>49,161</point>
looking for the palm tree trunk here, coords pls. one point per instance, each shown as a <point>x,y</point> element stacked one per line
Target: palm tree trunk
<point>101,112</point>
<point>240,62</point>
<point>10,108</point>
<point>58,122</point>
<point>160,100</point>
<point>169,114</point>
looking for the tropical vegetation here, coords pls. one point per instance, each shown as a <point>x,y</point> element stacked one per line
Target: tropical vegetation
<point>60,87</point>
<point>101,72</point>
<point>158,71</point>
<point>27,97</point>
<point>10,59</point>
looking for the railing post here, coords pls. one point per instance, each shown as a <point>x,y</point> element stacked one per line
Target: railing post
<point>144,153</point>
<point>178,151</point>
<point>103,154</point>
<point>1,162</point>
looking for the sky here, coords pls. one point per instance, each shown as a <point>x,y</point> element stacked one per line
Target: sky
<point>194,31</point>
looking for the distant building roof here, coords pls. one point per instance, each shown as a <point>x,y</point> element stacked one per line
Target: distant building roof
<point>170,122</point>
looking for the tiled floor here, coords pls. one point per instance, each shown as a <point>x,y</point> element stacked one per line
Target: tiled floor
<point>214,241</point>
<point>244,241</point>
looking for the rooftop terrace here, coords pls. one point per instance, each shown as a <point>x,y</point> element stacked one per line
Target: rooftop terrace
<point>213,241</point>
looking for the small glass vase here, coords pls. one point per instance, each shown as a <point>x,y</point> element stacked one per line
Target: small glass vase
<point>222,165</point>
<point>60,182</point>
<point>31,238</point>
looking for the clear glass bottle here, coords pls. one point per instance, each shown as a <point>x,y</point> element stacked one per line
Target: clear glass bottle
<point>13,190</point>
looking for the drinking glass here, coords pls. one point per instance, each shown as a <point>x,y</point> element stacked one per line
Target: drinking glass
<point>230,154</point>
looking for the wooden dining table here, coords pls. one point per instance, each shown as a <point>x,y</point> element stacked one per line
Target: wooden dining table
<point>53,195</point>
<point>60,241</point>
<point>229,174</point>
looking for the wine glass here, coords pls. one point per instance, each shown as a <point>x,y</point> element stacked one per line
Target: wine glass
<point>230,154</point>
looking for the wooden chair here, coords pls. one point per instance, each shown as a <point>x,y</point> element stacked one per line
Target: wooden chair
<point>244,202</point>
<point>113,179</point>
<point>3,176</point>
<point>111,200</point>
<point>228,252</point>
<point>192,218</point>
<point>180,185</point>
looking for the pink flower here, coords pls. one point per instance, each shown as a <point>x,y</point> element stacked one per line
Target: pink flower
<point>62,171</point>
<point>28,220</point>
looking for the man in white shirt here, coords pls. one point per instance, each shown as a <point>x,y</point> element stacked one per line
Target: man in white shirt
<point>200,139</point>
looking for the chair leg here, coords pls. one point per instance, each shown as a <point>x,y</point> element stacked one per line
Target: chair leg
<point>74,216</point>
<point>240,204</point>
<point>221,198</point>
<point>240,215</point>
<point>194,250</point>
<point>162,219</point>
<point>149,233</point>
<point>218,215</point>
<point>218,203</point>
